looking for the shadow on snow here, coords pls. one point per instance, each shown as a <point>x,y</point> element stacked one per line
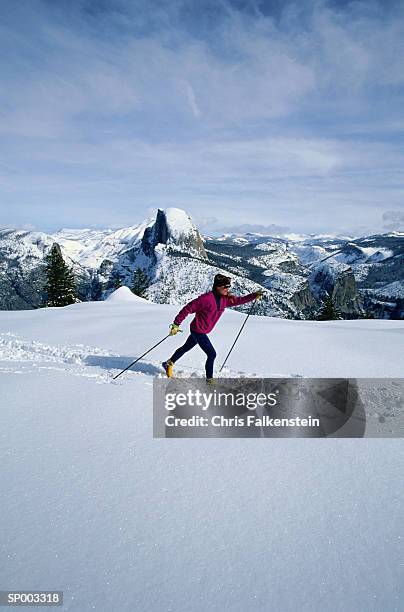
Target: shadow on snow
<point>120,363</point>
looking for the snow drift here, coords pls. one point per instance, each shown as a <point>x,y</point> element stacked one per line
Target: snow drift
<point>124,294</point>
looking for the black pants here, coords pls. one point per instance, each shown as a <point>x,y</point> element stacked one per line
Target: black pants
<point>202,339</point>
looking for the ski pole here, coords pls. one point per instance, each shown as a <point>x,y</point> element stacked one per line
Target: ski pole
<point>139,358</point>
<point>241,329</point>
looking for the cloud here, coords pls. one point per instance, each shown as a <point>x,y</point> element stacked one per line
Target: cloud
<point>393,220</point>
<point>282,112</point>
<point>192,99</point>
<point>205,223</point>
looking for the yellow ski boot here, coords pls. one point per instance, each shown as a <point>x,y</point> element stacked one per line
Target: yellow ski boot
<point>168,367</point>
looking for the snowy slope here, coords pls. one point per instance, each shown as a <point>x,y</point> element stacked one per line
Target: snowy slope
<point>124,294</point>
<point>74,242</point>
<point>93,505</point>
<point>91,247</point>
<point>24,245</point>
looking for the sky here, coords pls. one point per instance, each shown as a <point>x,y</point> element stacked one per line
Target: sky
<point>276,114</point>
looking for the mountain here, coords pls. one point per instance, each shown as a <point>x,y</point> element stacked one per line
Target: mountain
<point>173,228</point>
<point>22,269</point>
<point>373,267</point>
<point>365,274</point>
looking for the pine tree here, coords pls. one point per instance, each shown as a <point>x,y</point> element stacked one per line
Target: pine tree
<point>60,285</point>
<point>116,281</point>
<point>328,311</point>
<point>366,314</point>
<point>95,289</point>
<point>140,283</point>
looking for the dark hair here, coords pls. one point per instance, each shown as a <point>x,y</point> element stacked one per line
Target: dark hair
<point>221,281</point>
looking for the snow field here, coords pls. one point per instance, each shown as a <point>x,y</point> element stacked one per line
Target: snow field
<point>94,506</point>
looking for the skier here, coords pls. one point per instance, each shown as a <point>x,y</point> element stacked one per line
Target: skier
<point>208,308</point>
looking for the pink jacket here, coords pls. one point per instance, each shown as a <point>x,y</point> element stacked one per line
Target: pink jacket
<point>207,311</point>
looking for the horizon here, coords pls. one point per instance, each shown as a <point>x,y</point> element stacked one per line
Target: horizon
<point>246,229</point>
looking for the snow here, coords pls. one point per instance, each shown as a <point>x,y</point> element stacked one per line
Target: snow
<point>94,506</point>
<point>394,234</point>
<point>86,247</point>
<point>294,237</point>
<point>239,239</point>
<point>282,281</point>
<point>23,245</point>
<point>91,247</point>
<point>178,222</point>
<point>308,253</point>
<point>271,246</point>
<point>376,254</point>
<point>392,290</point>
<point>329,268</point>
<point>124,294</point>
<point>75,242</point>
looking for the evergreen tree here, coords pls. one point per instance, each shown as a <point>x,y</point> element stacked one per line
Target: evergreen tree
<point>60,285</point>
<point>328,311</point>
<point>95,289</point>
<point>140,283</point>
<point>116,281</point>
<point>398,311</point>
<point>366,314</point>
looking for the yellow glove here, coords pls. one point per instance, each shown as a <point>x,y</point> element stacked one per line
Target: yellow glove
<point>174,329</point>
<point>259,294</point>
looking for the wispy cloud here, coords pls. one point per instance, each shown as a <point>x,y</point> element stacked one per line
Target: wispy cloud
<point>393,220</point>
<point>192,100</point>
<point>275,113</point>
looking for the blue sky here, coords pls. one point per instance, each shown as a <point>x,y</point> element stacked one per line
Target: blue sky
<point>281,114</point>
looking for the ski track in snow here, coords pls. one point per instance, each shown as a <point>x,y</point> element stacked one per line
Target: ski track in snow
<point>88,361</point>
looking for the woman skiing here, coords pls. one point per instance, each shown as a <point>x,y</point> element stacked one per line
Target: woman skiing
<point>208,309</point>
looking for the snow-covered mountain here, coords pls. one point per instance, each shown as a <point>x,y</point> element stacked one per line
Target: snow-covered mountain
<point>22,268</point>
<point>90,247</point>
<point>296,271</point>
<point>372,265</point>
<point>364,273</point>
